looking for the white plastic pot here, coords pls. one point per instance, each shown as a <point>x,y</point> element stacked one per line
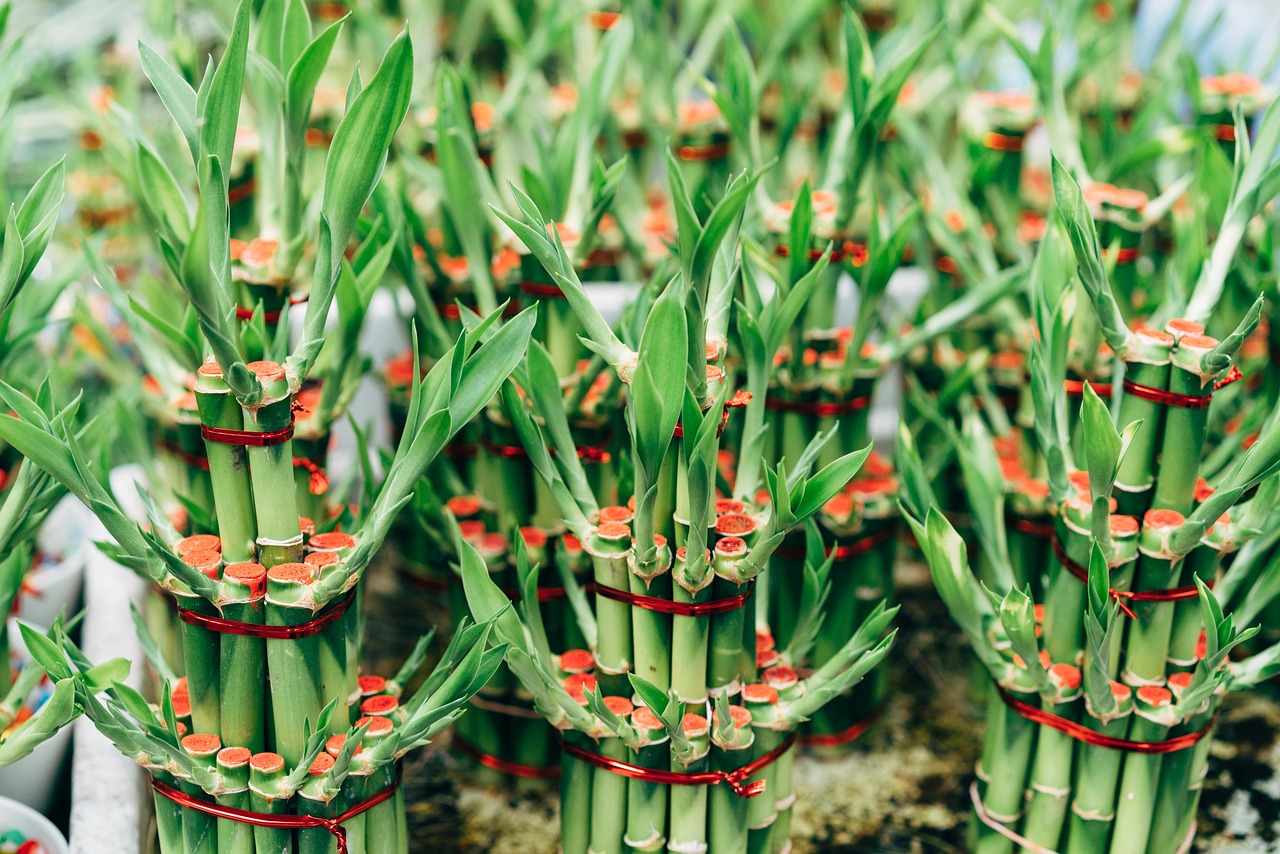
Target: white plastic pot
<point>32,825</point>
<point>33,779</point>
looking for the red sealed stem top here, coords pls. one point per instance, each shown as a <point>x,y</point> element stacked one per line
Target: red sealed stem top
<point>281,822</point>
<point>223,626</point>
<point>1172,594</point>
<point>735,780</point>
<point>1183,401</point>
<point>1082,733</point>
<point>680,609</point>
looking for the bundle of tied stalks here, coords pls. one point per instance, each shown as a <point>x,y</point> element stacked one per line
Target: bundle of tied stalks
<point>656,750</point>
<point>340,793</point>
<point>1102,715</point>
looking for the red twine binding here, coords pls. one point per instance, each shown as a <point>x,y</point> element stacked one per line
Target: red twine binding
<point>680,609</point>
<point>1183,401</point>
<point>505,766</point>
<point>542,290</point>
<point>703,153</point>
<point>506,452</point>
<point>856,253</point>
<point>1125,255</point>
<point>1172,594</point>
<point>1075,388</point>
<point>857,547</point>
<point>311,627</point>
<point>245,191</point>
<point>735,780</point>
<point>279,822</point>
<point>1225,133</point>
<point>1002,142</point>
<point>189,459</point>
<point>1082,733</point>
<point>243,313</point>
<point>839,739</point>
<point>1023,525</point>
<point>816,408</point>
<point>247,438</point>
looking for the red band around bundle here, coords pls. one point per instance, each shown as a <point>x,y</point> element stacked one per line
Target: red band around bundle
<point>247,438</point>
<point>1183,401</point>
<point>279,822</point>
<point>542,290</point>
<point>243,313</point>
<point>235,195</point>
<point>1125,255</point>
<point>504,709</point>
<point>1225,133</point>
<point>703,153</point>
<point>460,451</point>
<point>422,582</point>
<point>818,408</point>
<point>1082,733</point>
<point>545,594</point>
<point>855,253</point>
<point>1173,594</point>
<point>848,550</point>
<point>680,609</point>
<point>194,461</point>
<point>1075,388</point>
<point>505,766</point>
<point>1002,142</point>
<point>735,780</point>
<point>254,630</point>
<point>1035,528</point>
<point>839,739</point>
<point>587,454</point>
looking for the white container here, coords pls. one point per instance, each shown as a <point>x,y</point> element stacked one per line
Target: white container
<point>32,825</point>
<point>54,584</point>
<point>33,779</point>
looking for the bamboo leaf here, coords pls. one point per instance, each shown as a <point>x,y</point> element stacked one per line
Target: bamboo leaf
<point>175,93</point>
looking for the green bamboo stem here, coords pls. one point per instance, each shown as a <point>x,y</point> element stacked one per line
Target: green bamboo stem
<point>1139,781</point>
<point>1147,365</point>
<point>279,538</point>
<point>168,814</point>
<point>1051,769</point>
<point>652,643</point>
<point>313,800</point>
<point>689,635</point>
<point>1184,427</point>
<point>770,732</point>
<point>647,801</point>
<point>234,837</point>
<point>1179,780</point>
<point>266,795</point>
<point>228,466</point>
<point>727,811</point>
<point>382,834</point>
<point>609,791</point>
<point>200,653</point>
<point>1007,775</point>
<point>295,682</point>
<point>1097,776</point>
<point>575,797</point>
<point>1147,643</point>
<point>199,830</point>
<point>609,549</point>
<point>689,804</point>
<point>728,635</point>
<point>242,660</point>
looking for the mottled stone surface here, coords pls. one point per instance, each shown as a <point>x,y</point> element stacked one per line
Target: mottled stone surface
<point>903,788</point>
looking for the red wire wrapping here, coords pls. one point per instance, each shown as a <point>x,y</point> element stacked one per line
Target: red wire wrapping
<point>680,609</point>
<point>739,400</point>
<point>245,191</point>
<point>1082,733</point>
<point>1002,141</point>
<point>193,460</point>
<point>243,313</point>
<point>247,438</point>
<point>1075,388</point>
<point>506,766</point>
<point>839,739</point>
<point>854,549</point>
<point>318,480</point>
<point>818,408</point>
<point>280,822</point>
<point>1125,255</point>
<point>542,290</point>
<point>855,253</point>
<point>507,452</point>
<point>1184,401</point>
<point>703,153</point>
<point>735,780</point>
<point>314,626</point>
<point>1033,527</point>
<point>1172,594</point>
